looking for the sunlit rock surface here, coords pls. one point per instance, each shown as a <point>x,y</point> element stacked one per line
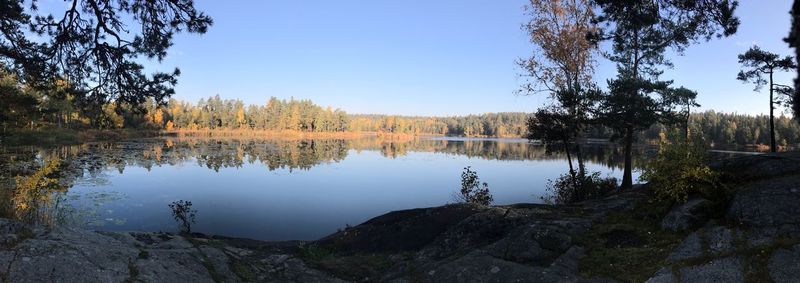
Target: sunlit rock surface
<point>76,255</point>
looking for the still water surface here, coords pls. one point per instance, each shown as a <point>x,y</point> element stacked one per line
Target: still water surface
<point>280,190</point>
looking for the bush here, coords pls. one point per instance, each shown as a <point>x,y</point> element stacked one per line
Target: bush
<point>183,213</point>
<point>680,169</point>
<point>472,190</point>
<point>566,190</point>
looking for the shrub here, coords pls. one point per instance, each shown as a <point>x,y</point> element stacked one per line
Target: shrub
<point>472,190</point>
<point>680,169</point>
<point>183,213</point>
<point>566,190</point>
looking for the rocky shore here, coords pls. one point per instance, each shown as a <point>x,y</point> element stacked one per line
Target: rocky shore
<point>754,237</point>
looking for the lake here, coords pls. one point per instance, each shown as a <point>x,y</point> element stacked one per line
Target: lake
<point>278,189</point>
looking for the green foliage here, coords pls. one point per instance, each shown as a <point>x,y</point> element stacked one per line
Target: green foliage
<point>17,107</point>
<point>680,169</point>
<point>641,31</point>
<point>731,130</point>
<point>552,126</point>
<point>572,188</point>
<point>354,267</point>
<point>183,213</point>
<point>759,63</point>
<point>472,190</point>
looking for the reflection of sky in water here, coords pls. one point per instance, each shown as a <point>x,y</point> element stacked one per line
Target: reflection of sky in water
<point>253,202</point>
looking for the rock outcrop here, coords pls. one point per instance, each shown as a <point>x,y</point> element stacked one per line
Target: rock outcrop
<point>769,204</point>
<point>512,243</point>
<point>687,216</point>
<point>516,243</point>
<point>762,166</point>
<point>75,255</point>
<point>760,240</point>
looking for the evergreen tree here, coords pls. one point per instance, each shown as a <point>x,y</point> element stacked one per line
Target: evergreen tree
<point>760,63</point>
<point>640,32</point>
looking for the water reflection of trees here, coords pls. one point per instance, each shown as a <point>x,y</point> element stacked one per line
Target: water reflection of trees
<point>34,180</point>
<point>605,154</point>
<point>33,187</point>
<point>38,196</point>
<point>91,160</point>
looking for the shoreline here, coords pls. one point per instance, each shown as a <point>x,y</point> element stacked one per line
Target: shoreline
<point>365,252</point>
<point>624,236</point>
<point>64,136</point>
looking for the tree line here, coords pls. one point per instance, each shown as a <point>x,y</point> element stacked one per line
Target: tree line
<point>28,107</point>
<point>730,130</point>
<point>276,114</point>
<point>504,124</point>
<point>305,116</point>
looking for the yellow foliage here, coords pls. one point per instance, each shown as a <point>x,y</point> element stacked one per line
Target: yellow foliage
<point>158,118</point>
<point>114,120</point>
<point>680,169</point>
<point>240,119</point>
<point>557,30</point>
<point>33,195</point>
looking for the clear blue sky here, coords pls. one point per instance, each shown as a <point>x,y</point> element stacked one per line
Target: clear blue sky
<point>421,57</point>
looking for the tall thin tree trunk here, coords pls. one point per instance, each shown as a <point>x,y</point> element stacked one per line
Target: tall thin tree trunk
<point>579,156</point>
<point>627,175</point>
<point>571,168</point>
<point>686,127</point>
<point>627,178</point>
<point>772,147</point>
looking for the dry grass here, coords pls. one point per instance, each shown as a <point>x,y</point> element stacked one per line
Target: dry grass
<point>61,136</point>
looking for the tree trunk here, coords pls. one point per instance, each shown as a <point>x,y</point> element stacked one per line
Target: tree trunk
<point>627,175</point>
<point>579,156</point>
<point>627,178</point>
<point>686,127</point>
<point>772,147</point>
<point>571,169</point>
